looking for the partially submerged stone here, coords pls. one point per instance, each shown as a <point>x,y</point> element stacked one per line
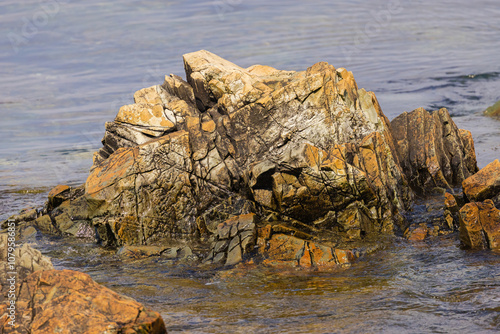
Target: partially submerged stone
<point>480,225</point>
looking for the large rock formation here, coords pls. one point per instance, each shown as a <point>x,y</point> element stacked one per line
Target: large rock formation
<point>308,146</point>
<point>306,152</point>
<point>480,225</point>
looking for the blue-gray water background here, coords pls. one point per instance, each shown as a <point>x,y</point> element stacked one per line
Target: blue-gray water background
<point>67,66</point>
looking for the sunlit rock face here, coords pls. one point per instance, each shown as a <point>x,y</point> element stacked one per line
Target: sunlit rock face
<point>307,151</point>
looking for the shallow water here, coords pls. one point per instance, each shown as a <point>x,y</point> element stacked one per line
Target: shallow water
<point>429,287</point>
<point>66,72</point>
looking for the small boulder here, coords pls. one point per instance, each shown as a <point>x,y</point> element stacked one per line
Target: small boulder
<point>485,184</point>
<point>480,225</point>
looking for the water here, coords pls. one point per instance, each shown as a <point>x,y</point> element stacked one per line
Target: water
<point>429,287</point>
<point>67,66</point>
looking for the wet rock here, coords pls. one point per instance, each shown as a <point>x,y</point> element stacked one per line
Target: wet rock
<point>494,110</point>
<point>25,257</point>
<point>308,153</point>
<point>58,195</point>
<point>45,225</point>
<point>288,251</point>
<point>419,233</point>
<point>71,302</point>
<point>235,238</point>
<point>433,152</point>
<point>480,225</point>
<point>451,209</point>
<point>137,252</point>
<point>484,185</point>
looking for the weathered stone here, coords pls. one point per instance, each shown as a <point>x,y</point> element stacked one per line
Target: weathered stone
<point>25,257</point>
<point>152,179</point>
<point>480,225</point>
<point>45,225</point>
<point>68,301</point>
<point>58,195</point>
<point>309,153</point>
<point>285,250</point>
<point>234,239</point>
<point>432,150</point>
<point>485,184</point>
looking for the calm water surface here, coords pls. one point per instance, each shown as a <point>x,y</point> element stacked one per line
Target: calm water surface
<point>67,66</point>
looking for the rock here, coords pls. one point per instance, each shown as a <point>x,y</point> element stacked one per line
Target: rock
<point>494,110</point>
<point>480,225</point>
<point>484,185</point>
<point>66,301</point>
<point>58,195</point>
<point>137,252</point>
<point>419,233</point>
<point>284,250</point>
<point>16,263</point>
<point>25,256</point>
<point>433,152</point>
<point>308,153</point>
<point>269,131</point>
<point>235,238</point>
<point>45,225</point>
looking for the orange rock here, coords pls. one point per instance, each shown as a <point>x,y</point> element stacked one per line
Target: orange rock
<point>485,184</point>
<point>432,150</point>
<point>450,201</point>
<point>66,301</point>
<point>480,225</point>
<point>286,250</point>
<point>418,234</point>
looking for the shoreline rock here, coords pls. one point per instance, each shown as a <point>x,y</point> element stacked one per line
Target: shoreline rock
<point>64,301</point>
<point>307,153</point>
<point>69,301</point>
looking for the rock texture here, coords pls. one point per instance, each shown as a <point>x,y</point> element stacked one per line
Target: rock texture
<point>485,184</point>
<point>309,146</point>
<point>480,225</point>
<point>307,152</point>
<point>65,301</point>
<point>434,153</point>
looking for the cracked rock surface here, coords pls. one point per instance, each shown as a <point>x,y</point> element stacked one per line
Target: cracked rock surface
<point>307,152</point>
